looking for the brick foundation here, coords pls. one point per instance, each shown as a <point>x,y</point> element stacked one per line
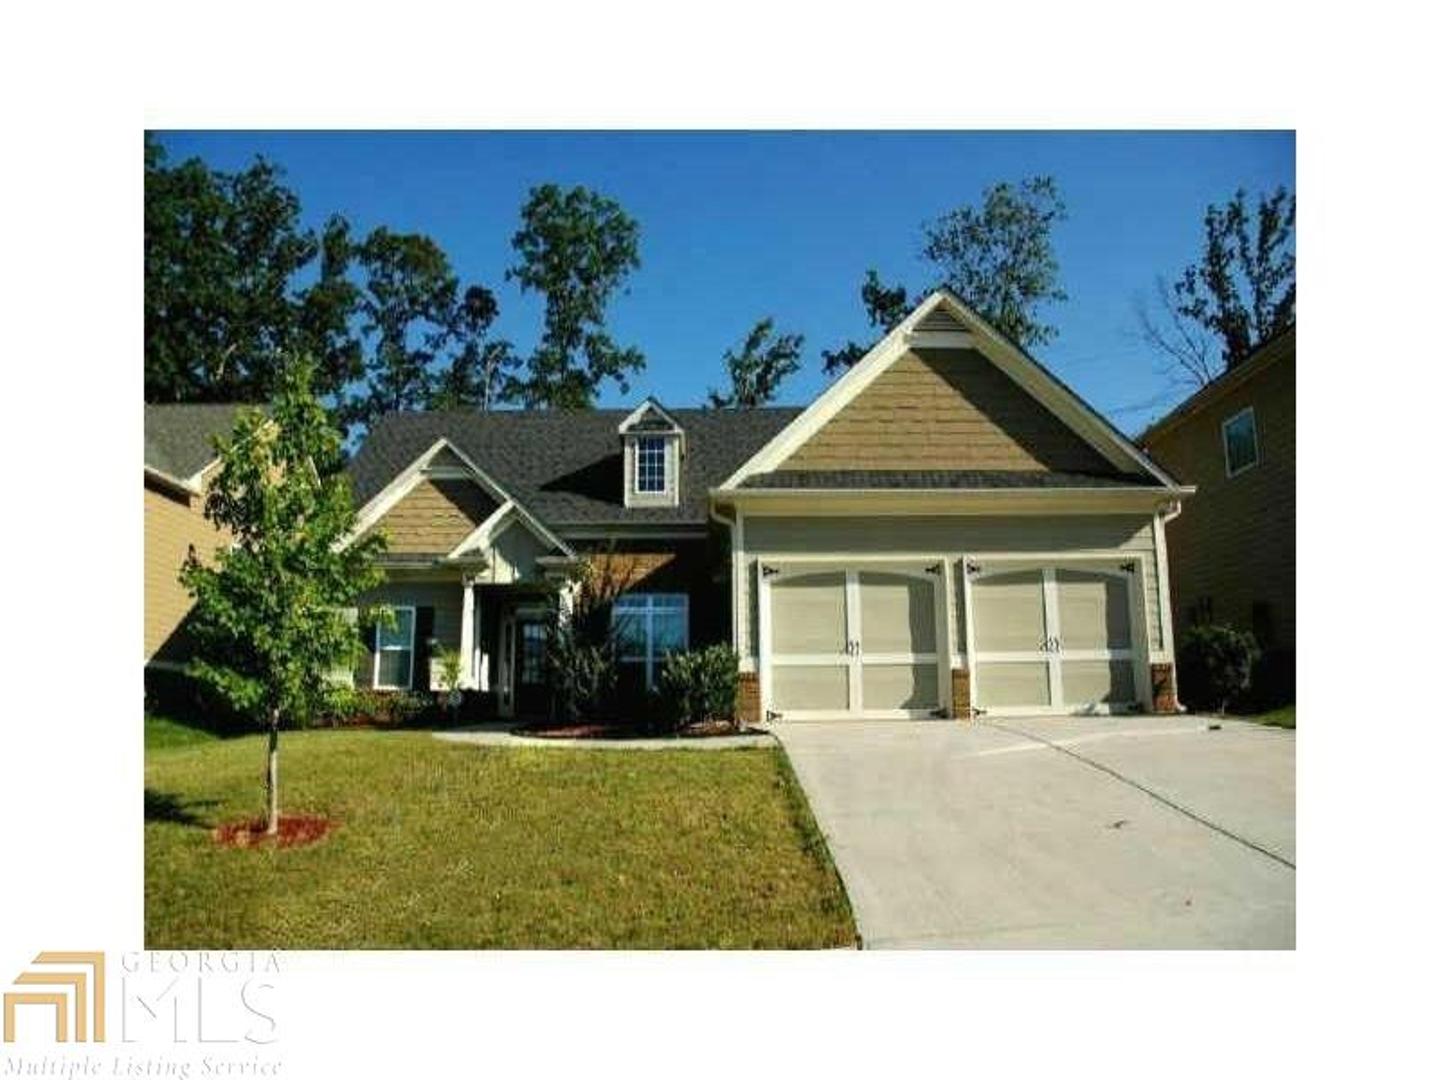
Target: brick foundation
<point>960,693</point>
<point>748,710</point>
<point>1162,687</point>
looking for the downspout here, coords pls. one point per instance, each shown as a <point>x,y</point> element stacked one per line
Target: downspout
<point>1164,519</point>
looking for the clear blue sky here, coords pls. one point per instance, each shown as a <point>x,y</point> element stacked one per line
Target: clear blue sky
<point>739,225</point>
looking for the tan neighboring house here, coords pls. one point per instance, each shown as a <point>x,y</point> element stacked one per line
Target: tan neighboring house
<point>1232,552</point>
<point>946,530</point>
<point>179,462</point>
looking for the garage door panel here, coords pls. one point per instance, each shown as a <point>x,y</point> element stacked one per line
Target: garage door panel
<point>1094,610</point>
<point>899,686</point>
<point>897,613</point>
<point>1022,684</point>
<point>811,688</point>
<point>1098,682</point>
<point>808,614</point>
<point>1009,611</point>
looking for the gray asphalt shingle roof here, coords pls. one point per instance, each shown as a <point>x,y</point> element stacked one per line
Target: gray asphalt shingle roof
<point>179,439</point>
<point>566,467</point>
<point>968,479</point>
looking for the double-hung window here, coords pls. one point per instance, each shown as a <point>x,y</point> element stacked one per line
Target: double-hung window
<point>650,465</point>
<point>649,626</point>
<point>395,651</point>
<point>1242,443</point>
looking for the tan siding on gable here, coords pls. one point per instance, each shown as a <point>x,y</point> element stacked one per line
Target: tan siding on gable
<point>435,516</point>
<point>173,523</point>
<point>946,409</point>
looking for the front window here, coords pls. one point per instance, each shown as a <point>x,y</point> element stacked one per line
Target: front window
<point>649,626</point>
<point>1242,445</point>
<point>650,464</point>
<point>395,651</point>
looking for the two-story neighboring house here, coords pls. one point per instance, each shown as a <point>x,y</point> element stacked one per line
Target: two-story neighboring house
<point>1232,550</point>
<point>947,530</point>
<point>179,463</point>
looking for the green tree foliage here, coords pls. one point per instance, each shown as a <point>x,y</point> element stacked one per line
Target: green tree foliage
<point>576,248</point>
<point>765,359</point>
<point>1216,665</point>
<point>224,255</point>
<point>1239,294</point>
<point>407,305</point>
<point>885,306</point>
<point>270,608</point>
<point>999,259</point>
<point>476,376</point>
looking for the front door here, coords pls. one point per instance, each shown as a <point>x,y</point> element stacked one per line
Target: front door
<point>532,698</point>
<point>852,642</point>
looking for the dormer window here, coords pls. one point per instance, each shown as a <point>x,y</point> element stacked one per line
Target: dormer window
<point>650,465</point>
<point>654,446</point>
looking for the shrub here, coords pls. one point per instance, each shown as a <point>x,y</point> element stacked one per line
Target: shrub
<point>374,708</point>
<point>701,685</point>
<point>1216,665</point>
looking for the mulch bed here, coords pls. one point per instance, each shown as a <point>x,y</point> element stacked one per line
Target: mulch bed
<point>705,730</point>
<point>295,830</point>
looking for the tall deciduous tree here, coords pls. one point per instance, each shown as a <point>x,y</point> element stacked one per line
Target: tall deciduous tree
<point>269,613</point>
<point>407,302</point>
<point>764,360</point>
<point>1240,292</point>
<point>576,248</point>
<point>999,257</point>
<point>475,377</point>
<point>885,306</point>
<point>224,257</point>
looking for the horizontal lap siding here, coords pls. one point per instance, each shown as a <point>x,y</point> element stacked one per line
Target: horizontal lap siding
<point>172,523</point>
<point>684,566</point>
<point>797,538</point>
<point>1235,540</point>
<point>945,409</point>
<point>443,596</point>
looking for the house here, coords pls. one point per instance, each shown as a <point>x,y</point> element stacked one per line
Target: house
<point>180,460</point>
<point>946,530</point>
<point>1232,552</point>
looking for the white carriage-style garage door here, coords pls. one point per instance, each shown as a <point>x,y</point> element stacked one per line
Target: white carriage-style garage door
<point>853,641</point>
<point>1053,638</point>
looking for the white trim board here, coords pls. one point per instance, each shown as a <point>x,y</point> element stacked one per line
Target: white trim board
<point>1063,402</point>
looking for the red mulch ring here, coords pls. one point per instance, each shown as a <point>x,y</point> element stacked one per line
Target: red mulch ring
<point>295,830</point>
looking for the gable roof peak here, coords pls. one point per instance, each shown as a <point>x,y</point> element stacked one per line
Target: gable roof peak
<point>649,415</point>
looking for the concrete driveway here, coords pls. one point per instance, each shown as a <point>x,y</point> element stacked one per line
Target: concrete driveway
<point>1094,832</point>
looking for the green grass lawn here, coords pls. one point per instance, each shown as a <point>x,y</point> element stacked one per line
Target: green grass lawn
<point>162,733</point>
<point>452,846</point>
<point>1275,718</point>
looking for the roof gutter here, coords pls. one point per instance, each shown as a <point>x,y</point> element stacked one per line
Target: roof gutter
<point>184,487</point>
<point>1147,500</point>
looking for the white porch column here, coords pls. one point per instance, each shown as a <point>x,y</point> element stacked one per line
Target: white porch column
<point>467,633</point>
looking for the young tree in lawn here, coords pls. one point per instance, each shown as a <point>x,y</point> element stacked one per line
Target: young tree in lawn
<point>1240,293</point>
<point>476,376</point>
<point>270,608</point>
<point>406,304</point>
<point>764,361</point>
<point>576,248</point>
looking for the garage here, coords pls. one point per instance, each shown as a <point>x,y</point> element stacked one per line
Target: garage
<point>853,641</point>
<point>1053,637</point>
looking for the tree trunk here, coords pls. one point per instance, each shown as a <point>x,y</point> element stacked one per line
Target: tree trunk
<point>272,777</point>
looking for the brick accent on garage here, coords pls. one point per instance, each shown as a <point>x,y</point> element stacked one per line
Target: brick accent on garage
<point>1162,687</point>
<point>960,693</point>
<point>748,710</point>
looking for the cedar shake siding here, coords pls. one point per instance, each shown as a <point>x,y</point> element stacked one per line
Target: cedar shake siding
<point>173,523</point>
<point>946,409</point>
<point>1232,550</point>
<point>435,516</point>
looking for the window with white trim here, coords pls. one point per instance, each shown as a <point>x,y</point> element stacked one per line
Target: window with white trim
<point>395,651</point>
<point>649,626</point>
<point>1242,443</point>
<point>650,464</point>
